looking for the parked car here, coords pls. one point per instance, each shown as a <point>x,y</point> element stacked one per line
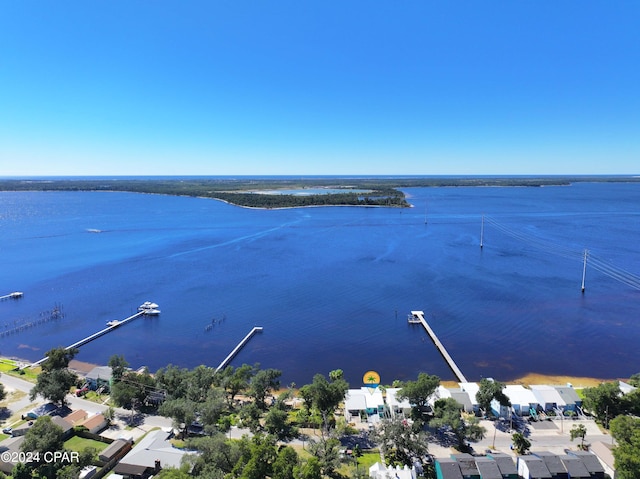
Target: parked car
<point>7,430</point>
<point>82,391</point>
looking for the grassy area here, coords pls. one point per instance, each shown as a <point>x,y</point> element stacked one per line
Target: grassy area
<point>77,443</point>
<point>3,436</point>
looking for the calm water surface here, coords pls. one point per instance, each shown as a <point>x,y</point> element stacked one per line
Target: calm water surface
<point>332,287</point>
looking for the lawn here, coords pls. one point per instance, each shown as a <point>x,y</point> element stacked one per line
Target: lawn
<point>77,443</point>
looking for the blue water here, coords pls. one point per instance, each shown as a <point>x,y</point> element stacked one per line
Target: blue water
<point>332,286</point>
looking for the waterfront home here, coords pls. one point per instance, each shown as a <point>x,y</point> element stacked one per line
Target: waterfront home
<point>397,407</point>
<point>460,396</point>
<point>570,397</point>
<point>98,377</point>
<point>522,400</point>
<point>363,401</point>
<point>548,397</point>
<point>472,390</point>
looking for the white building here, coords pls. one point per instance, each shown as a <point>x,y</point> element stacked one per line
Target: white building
<point>397,407</point>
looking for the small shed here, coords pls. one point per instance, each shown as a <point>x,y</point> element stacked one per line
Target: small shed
<point>575,467</point>
<point>554,464</point>
<point>505,464</point>
<point>488,468</point>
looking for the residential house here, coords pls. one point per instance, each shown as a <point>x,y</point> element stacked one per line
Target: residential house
<point>153,453</point>
<point>11,446</point>
<point>467,464</point>
<point>98,377</point>
<point>397,407</point>
<point>548,398</point>
<point>575,467</point>
<point>591,462</point>
<point>96,423</point>
<point>44,410</point>
<point>532,467</point>
<point>117,448</point>
<point>522,399</point>
<point>570,397</point>
<point>460,396</point>
<point>76,417</point>
<point>447,469</point>
<point>505,464</point>
<point>488,468</point>
<point>471,389</point>
<point>553,463</point>
<point>364,400</point>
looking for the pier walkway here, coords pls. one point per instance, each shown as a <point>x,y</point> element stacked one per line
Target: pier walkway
<point>143,310</point>
<point>14,295</point>
<point>418,317</point>
<point>240,345</point>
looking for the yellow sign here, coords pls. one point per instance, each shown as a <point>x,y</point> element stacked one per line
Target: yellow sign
<point>371,378</point>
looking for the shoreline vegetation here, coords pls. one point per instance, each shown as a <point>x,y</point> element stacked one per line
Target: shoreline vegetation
<point>251,192</point>
<point>529,379</point>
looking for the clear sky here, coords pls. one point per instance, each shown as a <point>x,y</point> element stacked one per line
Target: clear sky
<point>233,87</point>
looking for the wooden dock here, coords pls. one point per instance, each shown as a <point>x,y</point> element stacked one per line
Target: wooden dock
<point>240,345</point>
<point>418,317</point>
<point>14,295</point>
<point>112,325</point>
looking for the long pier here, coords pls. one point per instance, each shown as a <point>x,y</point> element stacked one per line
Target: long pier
<point>112,325</point>
<point>240,345</point>
<point>14,295</point>
<point>417,317</point>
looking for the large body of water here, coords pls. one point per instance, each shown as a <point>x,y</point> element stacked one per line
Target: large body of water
<point>332,287</point>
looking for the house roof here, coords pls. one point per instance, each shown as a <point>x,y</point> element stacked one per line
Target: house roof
<point>449,468</point>
<point>154,446</point>
<point>392,399</point>
<point>552,461</point>
<point>372,397</point>
<point>604,453</point>
<point>488,468</point>
<point>94,421</point>
<point>518,394</point>
<point>505,463</point>
<point>462,398</point>
<point>569,394</point>
<point>100,372</point>
<point>471,389</point>
<point>536,466</point>
<point>467,464</point>
<point>112,449</point>
<point>589,460</point>
<point>76,416</point>
<point>547,395</point>
<point>11,444</point>
<point>575,467</point>
<point>63,423</point>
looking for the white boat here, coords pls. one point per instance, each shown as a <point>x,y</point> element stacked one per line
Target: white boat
<point>152,312</point>
<point>147,305</point>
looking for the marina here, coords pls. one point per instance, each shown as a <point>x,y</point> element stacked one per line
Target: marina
<point>240,345</point>
<point>144,309</point>
<point>417,317</point>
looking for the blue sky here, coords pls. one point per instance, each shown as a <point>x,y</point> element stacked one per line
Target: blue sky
<point>312,88</point>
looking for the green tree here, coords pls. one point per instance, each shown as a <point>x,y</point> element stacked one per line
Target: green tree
<point>285,463</point>
<point>58,358</point>
<point>237,380</point>
<point>173,473</point>
<point>276,422</point>
<point>325,396</point>
<point>579,430</point>
<point>311,469</point>
<point>258,455</point>
<point>634,380</point>
<point>262,383</point>
<point>520,443</point>
<point>54,385</point>
<point>327,451</point>
<point>3,393</point>
<point>447,414</point>
<point>44,437</point>
<point>418,392</point>
<point>400,441</point>
<point>604,401</point>
<point>490,390</point>
<point>626,431</point>
<point>217,455</point>
<point>182,411</point>
<point>118,366</point>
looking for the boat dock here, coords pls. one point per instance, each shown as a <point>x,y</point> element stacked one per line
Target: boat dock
<point>240,345</point>
<point>417,317</point>
<point>14,295</point>
<point>111,326</point>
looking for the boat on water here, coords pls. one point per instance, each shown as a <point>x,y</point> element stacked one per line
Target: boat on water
<point>151,312</point>
<point>147,305</point>
<point>113,322</point>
